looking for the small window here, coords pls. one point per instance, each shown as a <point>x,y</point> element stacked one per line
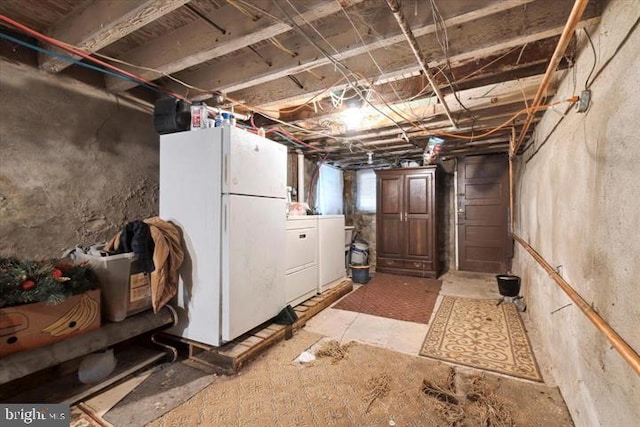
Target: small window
<point>366,190</point>
<point>329,194</point>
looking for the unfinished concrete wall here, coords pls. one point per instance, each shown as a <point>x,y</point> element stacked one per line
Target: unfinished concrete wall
<point>578,205</point>
<point>75,163</point>
<point>364,222</point>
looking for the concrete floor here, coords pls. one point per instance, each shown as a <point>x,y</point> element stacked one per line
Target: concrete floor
<point>407,337</point>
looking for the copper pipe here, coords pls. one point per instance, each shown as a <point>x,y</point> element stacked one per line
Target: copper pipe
<point>574,18</point>
<point>512,220</point>
<point>406,30</point>
<point>625,350</point>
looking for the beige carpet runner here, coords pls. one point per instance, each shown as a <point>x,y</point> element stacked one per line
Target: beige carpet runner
<point>481,334</point>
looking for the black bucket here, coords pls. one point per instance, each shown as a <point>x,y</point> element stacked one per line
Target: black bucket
<point>360,273</point>
<point>508,286</point>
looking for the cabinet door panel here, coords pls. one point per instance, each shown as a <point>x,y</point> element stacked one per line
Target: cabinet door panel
<point>419,217</point>
<point>419,239</point>
<point>418,189</point>
<point>389,222</point>
<point>390,195</point>
<point>390,237</point>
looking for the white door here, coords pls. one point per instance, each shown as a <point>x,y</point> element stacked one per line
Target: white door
<point>252,262</point>
<point>253,165</point>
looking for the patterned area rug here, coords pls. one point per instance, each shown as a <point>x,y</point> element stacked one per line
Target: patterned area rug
<point>481,334</point>
<point>396,297</point>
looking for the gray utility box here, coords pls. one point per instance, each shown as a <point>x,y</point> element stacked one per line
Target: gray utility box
<point>125,287</point>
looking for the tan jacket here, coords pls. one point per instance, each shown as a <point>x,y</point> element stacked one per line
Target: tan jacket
<point>167,258</point>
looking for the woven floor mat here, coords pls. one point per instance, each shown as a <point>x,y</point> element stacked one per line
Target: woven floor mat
<point>396,297</point>
<point>371,386</point>
<point>481,334</point>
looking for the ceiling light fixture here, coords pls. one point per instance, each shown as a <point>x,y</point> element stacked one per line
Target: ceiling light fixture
<point>352,117</point>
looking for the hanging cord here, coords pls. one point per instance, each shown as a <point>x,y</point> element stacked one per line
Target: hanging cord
<point>84,55</point>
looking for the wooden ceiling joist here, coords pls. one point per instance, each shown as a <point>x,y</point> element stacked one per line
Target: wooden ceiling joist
<point>473,40</point>
<point>194,44</point>
<point>225,76</point>
<point>100,23</point>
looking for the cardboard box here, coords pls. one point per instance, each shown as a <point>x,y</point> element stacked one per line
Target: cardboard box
<point>24,327</point>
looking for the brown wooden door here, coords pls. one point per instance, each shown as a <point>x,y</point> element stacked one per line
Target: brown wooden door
<point>483,206</point>
<point>419,210</point>
<point>389,219</point>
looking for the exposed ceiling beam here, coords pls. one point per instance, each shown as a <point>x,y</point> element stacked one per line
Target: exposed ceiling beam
<point>99,23</point>
<point>489,118</point>
<point>422,60</point>
<point>226,77</point>
<point>424,111</point>
<point>477,39</point>
<point>529,60</point>
<point>199,42</point>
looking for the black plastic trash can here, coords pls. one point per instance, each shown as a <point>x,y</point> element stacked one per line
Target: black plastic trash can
<point>508,285</point>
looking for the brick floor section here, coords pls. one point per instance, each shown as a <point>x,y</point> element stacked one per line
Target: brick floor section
<point>395,297</point>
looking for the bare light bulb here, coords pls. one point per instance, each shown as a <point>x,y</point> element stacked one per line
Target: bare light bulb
<point>352,117</point>
<point>370,158</point>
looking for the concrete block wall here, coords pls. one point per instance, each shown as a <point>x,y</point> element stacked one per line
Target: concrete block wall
<point>75,163</point>
<point>578,205</point>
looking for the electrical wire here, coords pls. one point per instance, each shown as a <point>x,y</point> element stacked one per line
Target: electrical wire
<point>69,59</point>
<point>122,74</point>
<point>595,59</point>
<point>154,70</point>
<point>339,65</point>
<point>440,25</point>
<point>83,54</point>
<point>364,44</point>
<point>572,99</point>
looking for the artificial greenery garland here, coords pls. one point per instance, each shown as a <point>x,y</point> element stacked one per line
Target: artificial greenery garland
<point>29,281</point>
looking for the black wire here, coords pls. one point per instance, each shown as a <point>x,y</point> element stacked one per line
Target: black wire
<point>595,59</point>
<point>438,22</point>
<point>339,66</point>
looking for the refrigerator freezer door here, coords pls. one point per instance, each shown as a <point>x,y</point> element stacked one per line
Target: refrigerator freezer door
<point>253,165</point>
<point>253,292</point>
<point>190,186</point>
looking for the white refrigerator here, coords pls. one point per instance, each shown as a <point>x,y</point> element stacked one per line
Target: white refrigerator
<point>225,188</point>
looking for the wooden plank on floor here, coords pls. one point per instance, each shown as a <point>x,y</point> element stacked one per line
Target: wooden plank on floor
<point>103,402</point>
<point>275,327</point>
<point>232,356</point>
<point>265,333</point>
<point>251,341</point>
<point>233,350</point>
<point>331,296</point>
